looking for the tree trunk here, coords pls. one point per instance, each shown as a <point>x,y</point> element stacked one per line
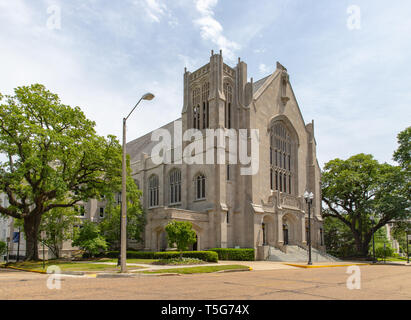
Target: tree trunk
<point>31,228</point>
<point>361,244</point>
<point>55,249</point>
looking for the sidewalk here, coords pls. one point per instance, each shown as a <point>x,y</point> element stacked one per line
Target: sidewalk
<point>260,265</point>
<point>254,265</point>
<point>153,267</point>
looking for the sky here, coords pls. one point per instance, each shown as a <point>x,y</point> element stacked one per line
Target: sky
<point>348,61</point>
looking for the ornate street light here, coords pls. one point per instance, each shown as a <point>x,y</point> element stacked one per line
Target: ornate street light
<point>123,215</point>
<point>309,200</point>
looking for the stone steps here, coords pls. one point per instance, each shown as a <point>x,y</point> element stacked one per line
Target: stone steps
<point>298,254</point>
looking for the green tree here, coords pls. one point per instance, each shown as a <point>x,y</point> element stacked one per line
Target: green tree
<point>3,247</point>
<point>399,232</point>
<point>338,238</point>
<point>55,158</point>
<point>110,225</point>
<point>403,154</point>
<point>57,226</point>
<point>355,189</point>
<point>384,252</point>
<point>180,233</point>
<point>89,239</point>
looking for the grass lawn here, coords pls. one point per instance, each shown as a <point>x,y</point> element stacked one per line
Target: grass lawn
<point>144,261</point>
<point>393,259</point>
<point>205,269</point>
<point>69,266</point>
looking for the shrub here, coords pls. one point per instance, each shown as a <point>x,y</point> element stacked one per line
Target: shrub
<point>178,261</point>
<point>208,256</point>
<point>242,254</point>
<point>89,239</point>
<point>182,234</point>
<point>379,252</point>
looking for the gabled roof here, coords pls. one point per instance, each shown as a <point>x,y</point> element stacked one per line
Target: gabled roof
<point>260,86</point>
<point>257,85</point>
<point>144,144</point>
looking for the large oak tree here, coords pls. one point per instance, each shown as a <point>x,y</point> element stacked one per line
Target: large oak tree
<point>54,158</point>
<point>355,189</point>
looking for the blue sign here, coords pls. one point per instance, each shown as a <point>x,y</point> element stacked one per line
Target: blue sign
<point>16,237</point>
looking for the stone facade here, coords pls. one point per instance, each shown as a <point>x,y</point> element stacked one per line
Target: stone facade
<point>234,210</point>
<point>228,209</point>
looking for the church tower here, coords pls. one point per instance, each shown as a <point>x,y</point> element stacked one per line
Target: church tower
<point>215,97</point>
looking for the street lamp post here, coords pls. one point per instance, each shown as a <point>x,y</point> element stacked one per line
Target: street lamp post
<point>7,249</point>
<point>309,200</point>
<point>373,240</point>
<point>119,252</point>
<point>123,249</point>
<point>18,247</point>
<point>407,242</point>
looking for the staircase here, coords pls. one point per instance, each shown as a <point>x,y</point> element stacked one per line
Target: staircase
<point>298,254</point>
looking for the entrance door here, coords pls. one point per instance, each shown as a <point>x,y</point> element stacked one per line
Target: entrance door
<point>285,233</point>
<point>195,245</point>
<point>264,234</point>
<point>162,241</point>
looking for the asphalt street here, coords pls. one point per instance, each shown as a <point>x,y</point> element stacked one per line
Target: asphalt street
<point>372,281</point>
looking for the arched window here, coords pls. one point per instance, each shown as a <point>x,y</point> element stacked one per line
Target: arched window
<point>200,186</point>
<point>153,191</point>
<point>204,97</point>
<point>196,117</point>
<point>281,159</point>
<point>228,92</point>
<point>175,186</point>
<point>196,108</point>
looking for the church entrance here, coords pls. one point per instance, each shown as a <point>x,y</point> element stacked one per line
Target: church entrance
<point>264,235</point>
<point>285,233</point>
<point>267,231</point>
<point>161,240</point>
<point>195,244</point>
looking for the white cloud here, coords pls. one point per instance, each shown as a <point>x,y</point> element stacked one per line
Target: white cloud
<point>189,62</point>
<point>259,51</point>
<point>205,6</point>
<point>155,10</point>
<point>264,69</point>
<point>15,11</point>
<point>212,30</point>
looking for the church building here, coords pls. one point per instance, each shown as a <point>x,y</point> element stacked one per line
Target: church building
<point>227,209</point>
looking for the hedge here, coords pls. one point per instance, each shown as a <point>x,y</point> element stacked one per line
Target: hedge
<point>208,256</point>
<point>242,254</point>
<point>380,252</point>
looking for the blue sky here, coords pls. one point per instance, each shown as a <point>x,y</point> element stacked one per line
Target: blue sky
<point>355,84</point>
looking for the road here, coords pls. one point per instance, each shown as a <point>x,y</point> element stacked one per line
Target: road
<point>377,282</point>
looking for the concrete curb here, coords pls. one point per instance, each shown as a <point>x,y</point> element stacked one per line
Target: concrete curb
<point>114,275</point>
<point>27,270</point>
<point>391,263</point>
<point>71,273</point>
<point>233,270</point>
<point>326,266</point>
<point>133,275</point>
